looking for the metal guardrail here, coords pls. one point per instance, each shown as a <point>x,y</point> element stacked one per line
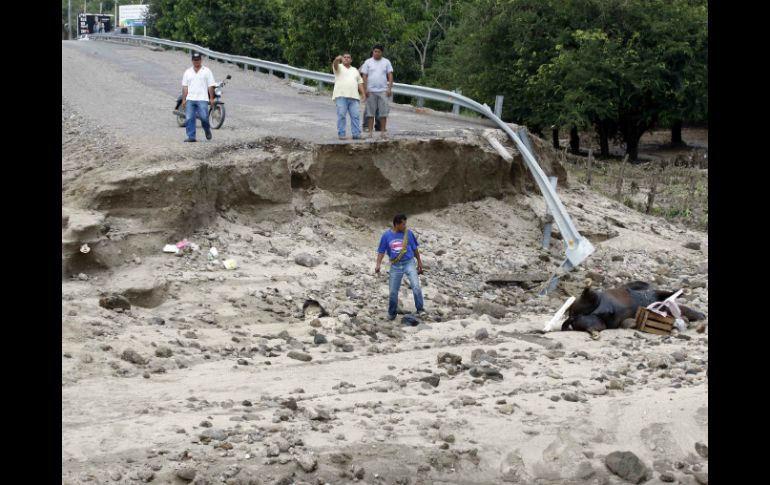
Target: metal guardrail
<point>577,248</point>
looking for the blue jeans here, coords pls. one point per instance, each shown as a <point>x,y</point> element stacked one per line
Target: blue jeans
<point>397,272</point>
<point>193,108</point>
<point>345,106</point>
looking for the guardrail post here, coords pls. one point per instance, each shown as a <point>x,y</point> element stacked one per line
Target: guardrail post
<point>499,105</point>
<point>456,107</point>
<point>302,80</point>
<point>270,72</point>
<point>320,85</point>
<point>286,75</point>
<point>420,102</point>
<point>549,218</point>
<point>524,135</point>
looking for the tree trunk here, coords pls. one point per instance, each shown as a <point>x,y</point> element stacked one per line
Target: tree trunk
<point>632,147</point>
<point>555,135</point>
<point>574,141</point>
<point>604,139</point>
<point>676,134</point>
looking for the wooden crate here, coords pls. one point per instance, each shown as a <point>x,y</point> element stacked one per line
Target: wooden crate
<point>650,322</point>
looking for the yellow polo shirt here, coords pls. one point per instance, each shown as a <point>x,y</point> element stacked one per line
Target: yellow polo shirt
<point>346,81</point>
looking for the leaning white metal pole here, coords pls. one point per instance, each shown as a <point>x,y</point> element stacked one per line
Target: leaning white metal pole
<point>578,247</point>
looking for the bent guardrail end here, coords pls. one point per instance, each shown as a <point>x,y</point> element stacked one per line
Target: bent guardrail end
<point>578,251</point>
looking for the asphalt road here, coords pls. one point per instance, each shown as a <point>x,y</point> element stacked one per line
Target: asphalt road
<point>130,91</point>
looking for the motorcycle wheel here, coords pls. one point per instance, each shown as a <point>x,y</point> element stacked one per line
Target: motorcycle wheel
<point>217,116</point>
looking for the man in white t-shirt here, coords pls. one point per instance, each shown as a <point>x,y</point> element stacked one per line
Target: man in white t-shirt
<point>378,87</point>
<point>197,94</point>
<point>348,91</point>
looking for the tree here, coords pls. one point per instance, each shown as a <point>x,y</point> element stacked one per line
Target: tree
<point>618,66</point>
<point>319,30</point>
<point>243,27</point>
<point>424,23</point>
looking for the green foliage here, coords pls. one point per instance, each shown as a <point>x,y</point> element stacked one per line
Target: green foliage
<point>243,27</point>
<point>618,65</point>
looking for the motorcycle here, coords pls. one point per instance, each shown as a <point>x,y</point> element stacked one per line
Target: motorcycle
<point>216,114</point>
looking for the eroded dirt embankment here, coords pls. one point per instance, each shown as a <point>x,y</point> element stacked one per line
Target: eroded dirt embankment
<point>275,179</point>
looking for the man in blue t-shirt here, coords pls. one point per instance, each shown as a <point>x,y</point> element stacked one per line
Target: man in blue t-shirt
<point>401,245</point>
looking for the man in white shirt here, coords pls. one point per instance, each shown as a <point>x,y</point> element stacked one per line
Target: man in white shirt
<point>378,88</point>
<point>348,90</point>
<point>197,94</point>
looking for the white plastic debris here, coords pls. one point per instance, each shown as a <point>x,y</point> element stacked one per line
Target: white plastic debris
<point>85,249</point>
<point>559,314</point>
<point>230,264</point>
<point>213,253</point>
<point>170,248</point>
<point>680,325</point>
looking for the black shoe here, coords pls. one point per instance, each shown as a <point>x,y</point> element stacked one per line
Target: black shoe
<point>189,140</point>
<point>208,135</point>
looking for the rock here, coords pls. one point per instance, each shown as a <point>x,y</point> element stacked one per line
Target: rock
<point>486,372</point>
<point>571,396</point>
<point>447,358</point>
<point>694,245</point>
<point>340,458</point>
<point>506,409</point>
<point>313,309</point>
<point>156,321</point>
<point>627,466</point>
<point>584,471</point>
<point>432,379</point>
<point>319,339</point>
<point>272,450</point>
<point>145,475</point>
<point>114,301</point>
<point>186,473</point>
<point>282,443</point>
<point>290,403</point>
<point>359,472</point>
<point>115,475</point>
<point>678,356</point>
<point>133,357</point>
<point>702,449</point>
<point>489,308</point>
<point>616,384</point>
<point>306,461</point>
<point>308,260</point>
<point>163,352</point>
<point>295,354</point>
<point>141,286</point>
<point>598,390</point>
<point>446,436</point>
<point>481,334</point>
<point>668,477</point>
<point>318,414</point>
<point>214,434</point>
<point>701,477</point>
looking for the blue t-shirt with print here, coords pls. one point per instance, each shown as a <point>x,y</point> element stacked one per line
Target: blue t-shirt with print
<point>392,242</point>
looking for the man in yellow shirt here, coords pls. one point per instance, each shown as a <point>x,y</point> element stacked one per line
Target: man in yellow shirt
<point>347,95</point>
